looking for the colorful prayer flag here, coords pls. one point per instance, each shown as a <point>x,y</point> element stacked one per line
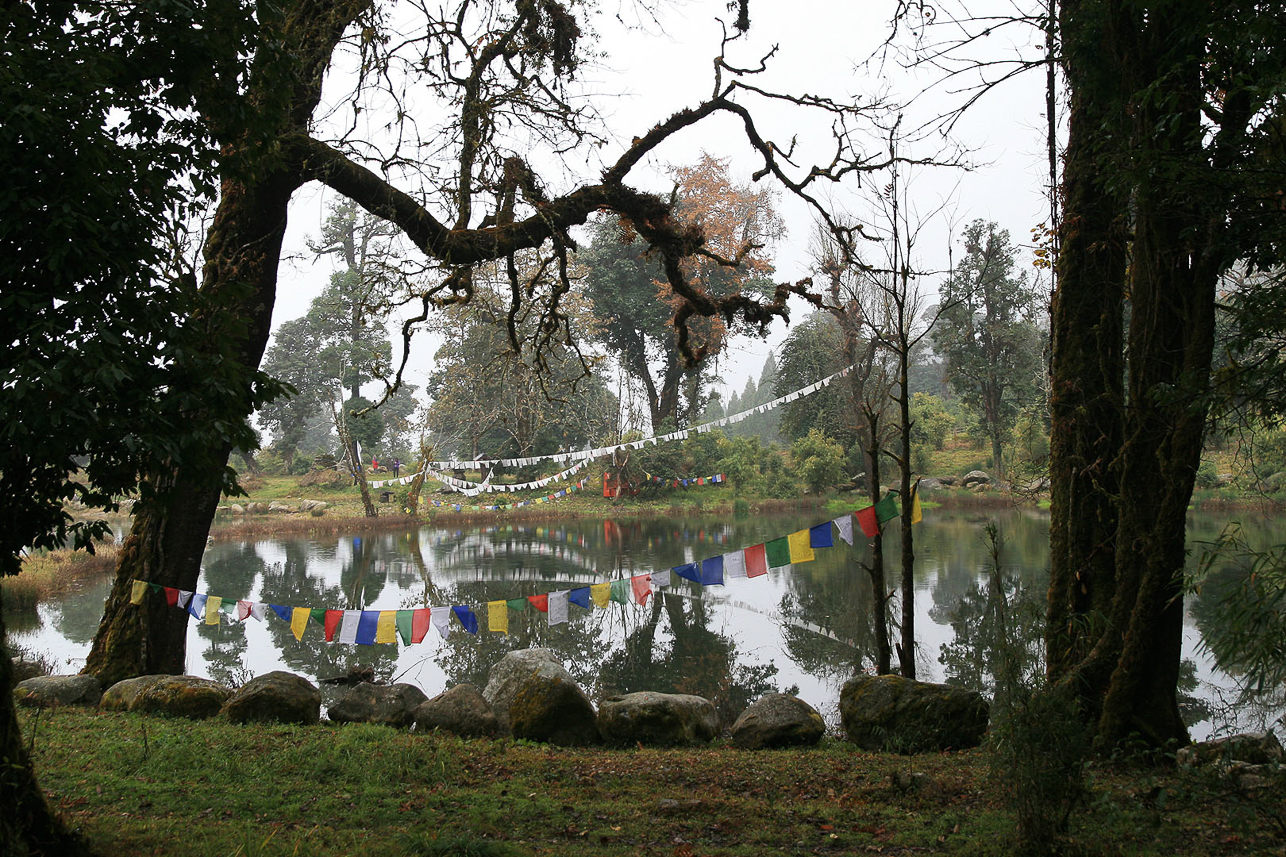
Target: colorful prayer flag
<point>756,560</point>
<point>212,604</point>
<point>386,627</point>
<point>844,523</point>
<point>601,593</point>
<point>185,596</point>
<point>869,523</point>
<point>690,571</point>
<point>197,605</point>
<point>540,602</point>
<point>498,616</point>
<point>621,591</point>
<point>331,624</point>
<point>467,618</point>
<point>712,571</point>
<point>580,597</point>
<point>421,619</point>
<point>660,579</point>
<point>800,549</point>
<point>441,619</point>
<point>405,625</point>
<point>642,586</point>
<point>916,513</point>
<point>518,605</point>
<point>734,565</point>
<point>318,615</point>
<point>820,536</point>
<point>136,594</point>
<point>348,626</point>
<point>299,621</point>
<point>887,508</point>
<point>368,623</point>
<point>171,596</point>
<point>243,610</point>
<point>778,552</point>
<point>283,613</point>
<point>558,607</point>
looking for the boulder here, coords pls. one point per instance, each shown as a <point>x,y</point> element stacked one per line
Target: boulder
<point>1251,748</point>
<point>660,719</point>
<point>275,697</point>
<point>895,714</point>
<point>312,505</point>
<point>512,671</point>
<point>778,720</point>
<point>389,704</point>
<point>182,696</point>
<point>931,483</point>
<point>237,509</point>
<point>278,506</point>
<point>975,477</point>
<point>256,508</point>
<point>50,690</point>
<point>462,711</point>
<point>553,709</point>
<point>120,696</point>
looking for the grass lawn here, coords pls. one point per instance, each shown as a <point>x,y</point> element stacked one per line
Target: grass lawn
<point>135,784</point>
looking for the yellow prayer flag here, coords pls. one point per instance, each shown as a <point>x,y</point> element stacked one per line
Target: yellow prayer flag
<point>498,616</point>
<point>136,595</point>
<point>299,621</point>
<point>916,514</point>
<point>801,550</point>
<point>386,627</point>
<point>212,609</point>
<point>601,593</point>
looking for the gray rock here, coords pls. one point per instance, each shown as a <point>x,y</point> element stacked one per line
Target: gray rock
<point>120,696</point>
<point>778,720</point>
<point>237,509</point>
<point>975,477</point>
<point>182,696</point>
<point>462,711</point>
<point>512,671</point>
<point>278,506</point>
<point>894,714</point>
<point>50,690</point>
<point>389,704</point>
<point>275,697</point>
<point>657,719</point>
<point>930,483</point>
<point>1251,748</point>
<point>553,709</point>
<point>312,505</point>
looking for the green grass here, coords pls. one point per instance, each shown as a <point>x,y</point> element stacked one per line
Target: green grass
<point>147,785</point>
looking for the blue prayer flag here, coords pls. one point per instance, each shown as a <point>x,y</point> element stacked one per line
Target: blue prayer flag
<point>197,605</point>
<point>367,627</point>
<point>820,536</point>
<point>467,619</point>
<point>712,571</point>
<point>284,612</point>
<point>579,597</point>
<point>688,572</point>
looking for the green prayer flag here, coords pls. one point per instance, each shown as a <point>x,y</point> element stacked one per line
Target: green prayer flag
<point>404,622</point>
<point>228,606</point>
<point>886,509</point>
<point>519,604</point>
<point>621,591</point>
<point>778,552</point>
<point>318,615</point>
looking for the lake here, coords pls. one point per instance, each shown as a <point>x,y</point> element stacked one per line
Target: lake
<point>803,628</point>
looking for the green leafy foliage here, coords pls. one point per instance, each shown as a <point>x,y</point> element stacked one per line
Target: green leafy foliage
<point>813,350</point>
<point>818,461</point>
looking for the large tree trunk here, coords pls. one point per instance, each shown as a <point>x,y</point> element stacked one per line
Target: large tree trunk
<point>879,582</point>
<point>27,824</point>
<point>239,282</point>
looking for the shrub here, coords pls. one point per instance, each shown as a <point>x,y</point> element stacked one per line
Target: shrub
<point>818,460</point>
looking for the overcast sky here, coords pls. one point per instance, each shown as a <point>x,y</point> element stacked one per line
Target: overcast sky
<point>649,73</point>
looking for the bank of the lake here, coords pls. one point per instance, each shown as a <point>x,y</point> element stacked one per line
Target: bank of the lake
<point>135,784</point>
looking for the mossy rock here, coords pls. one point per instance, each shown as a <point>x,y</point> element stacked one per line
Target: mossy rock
<point>657,719</point>
<point>778,720</point>
<point>53,690</point>
<point>275,697</point>
<point>120,696</point>
<point>182,696</point>
<point>554,711</point>
<point>894,714</point>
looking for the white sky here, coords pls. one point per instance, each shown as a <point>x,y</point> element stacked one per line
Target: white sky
<point>647,76</point>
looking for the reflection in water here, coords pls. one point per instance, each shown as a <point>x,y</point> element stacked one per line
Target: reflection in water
<point>806,626</point>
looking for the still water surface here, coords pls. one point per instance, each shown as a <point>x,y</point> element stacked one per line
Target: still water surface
<point>803,628</point>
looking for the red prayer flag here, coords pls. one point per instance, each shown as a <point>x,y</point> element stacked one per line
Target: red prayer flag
<point>642,584</point>
<point>171,596</point>
<point>331,623</point>
<point>421,621</point>
<point>540,602</point>
<point>756,561</point>
<point>869,523</point>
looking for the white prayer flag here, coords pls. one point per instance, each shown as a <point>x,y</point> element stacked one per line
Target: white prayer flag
<point>348,626</point>
<point>441,619</point>
<point>259,610</point>
<point>558,607</point>
<point>660,579</point>
<point>845,524</point>
<point>184,597</point>
<point>734,565</point>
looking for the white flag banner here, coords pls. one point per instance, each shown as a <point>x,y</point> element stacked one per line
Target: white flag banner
<point>184,597</point>
<point>734,565</point>
<point>259,610</point>
<point>845,525</point>
<point>348,626</point>
<point>441,619</point>
<point>660,579</point>
<point>558,607</point>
